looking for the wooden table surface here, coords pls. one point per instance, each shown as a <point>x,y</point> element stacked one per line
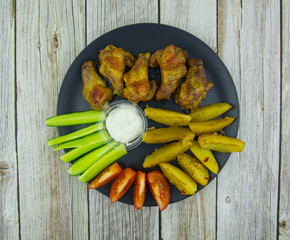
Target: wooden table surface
<point>39,200</point>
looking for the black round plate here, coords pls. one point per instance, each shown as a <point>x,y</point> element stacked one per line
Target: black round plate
<point>140,38</point>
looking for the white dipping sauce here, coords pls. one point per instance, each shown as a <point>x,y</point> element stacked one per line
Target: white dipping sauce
<point>124,124</point>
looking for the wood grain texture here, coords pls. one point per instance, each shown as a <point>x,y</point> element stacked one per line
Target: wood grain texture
<point>193,218</point>
<point>284,211</point>
<point>49,35</point>
<point>8,162</point>
<point>196,17</point>
<point>118,220</point>
<point>53,205</point>
<point>249,44</point>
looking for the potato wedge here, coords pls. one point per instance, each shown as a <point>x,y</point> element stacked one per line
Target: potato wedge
<point>179,179</point>
<point>220,143</point>
<point>167,117</point>
<point>205,156</point>
<point>210,126</point>
<point>166,153</point>
<point>209,112</point>
<point>194,168</point>
<point>163,135</point>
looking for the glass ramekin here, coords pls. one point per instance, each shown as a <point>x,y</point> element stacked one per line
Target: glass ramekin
<point>120,103</point>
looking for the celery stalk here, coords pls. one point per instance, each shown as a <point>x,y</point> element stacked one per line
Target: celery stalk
<point>77,152</point>
<point>76,118</point>
<point>100,136</point>
<point>85,162</point>
<point>103,162</point>
<point>76,134</point>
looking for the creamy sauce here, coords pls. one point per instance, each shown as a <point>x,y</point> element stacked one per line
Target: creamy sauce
<point>124,124</point>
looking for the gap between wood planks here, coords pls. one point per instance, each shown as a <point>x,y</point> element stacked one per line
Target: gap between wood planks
<point>280,139</point>
<point>15,113</point>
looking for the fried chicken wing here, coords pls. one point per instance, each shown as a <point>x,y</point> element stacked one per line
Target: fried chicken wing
<point>190,94</point>
<point>113,63</point>
<point>152,91</point>
<point>136,81</point>
<point>95,89</point>
<point>155,59</point>
<point>172,64</point>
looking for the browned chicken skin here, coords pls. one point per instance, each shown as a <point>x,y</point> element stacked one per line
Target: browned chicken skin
<point>113,63</point>
<point>172,64</point>
<point>95,89</point>
<point>190,94</point>
<point>152,91</point>
<point>155,59</point>
<point>136,80</point>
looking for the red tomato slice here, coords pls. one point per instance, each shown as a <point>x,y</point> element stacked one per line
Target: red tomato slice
<point>139,190</point>
<point>122,183</point>
<point>106,176</point>
<point>160,188</point>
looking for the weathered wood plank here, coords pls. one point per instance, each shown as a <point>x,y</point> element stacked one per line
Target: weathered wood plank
<point>49,35</point>
<point>118,220</point>
<point>193,218</point>
<point>249,44</point>
<point>8,162</point>
<point>196,17</point>
<point>284,210</point>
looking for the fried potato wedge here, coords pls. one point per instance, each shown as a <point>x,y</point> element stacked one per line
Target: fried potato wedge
<point>164,135</point>
<point>179,179</point>
<point>167,117</point>
<point>220,143</point>
<point>194,168</point>
<point>209,112</point>
<point>210,126</point>
<point>205,156</point>
<point>166,153</point>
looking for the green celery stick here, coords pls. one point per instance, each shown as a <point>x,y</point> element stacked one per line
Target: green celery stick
<point>100,136</point>
<point>79,151</point>
<point>69,119</point>
<point>85,162</point>
<point>104,162</point>
<point>76,134</point>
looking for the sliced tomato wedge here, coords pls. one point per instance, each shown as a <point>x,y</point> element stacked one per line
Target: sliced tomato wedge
<point>106,176</point>
<point>121,184</point>
<point>139,190</point>
<point>160,188</point>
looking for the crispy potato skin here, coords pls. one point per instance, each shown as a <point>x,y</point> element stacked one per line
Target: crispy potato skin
<point>167,117</point>
<point>205,156</point>
<point>166,153</point>
<point>209,112</point>
<point>163,135</point>
<point>210,126</point>
<point>180,179</point>
<point>194,168</point>
<point>220,143</point>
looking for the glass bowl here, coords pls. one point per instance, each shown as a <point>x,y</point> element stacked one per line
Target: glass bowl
<point>121,103</point>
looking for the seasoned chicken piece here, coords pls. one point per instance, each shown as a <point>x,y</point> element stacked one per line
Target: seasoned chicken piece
<point>113,63</point>
<point>172,64</point>
<point>136,80</point>
<point>190,94</point>
<point>152,91</point>
<point>156,58</point>
<point>95,89</point>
